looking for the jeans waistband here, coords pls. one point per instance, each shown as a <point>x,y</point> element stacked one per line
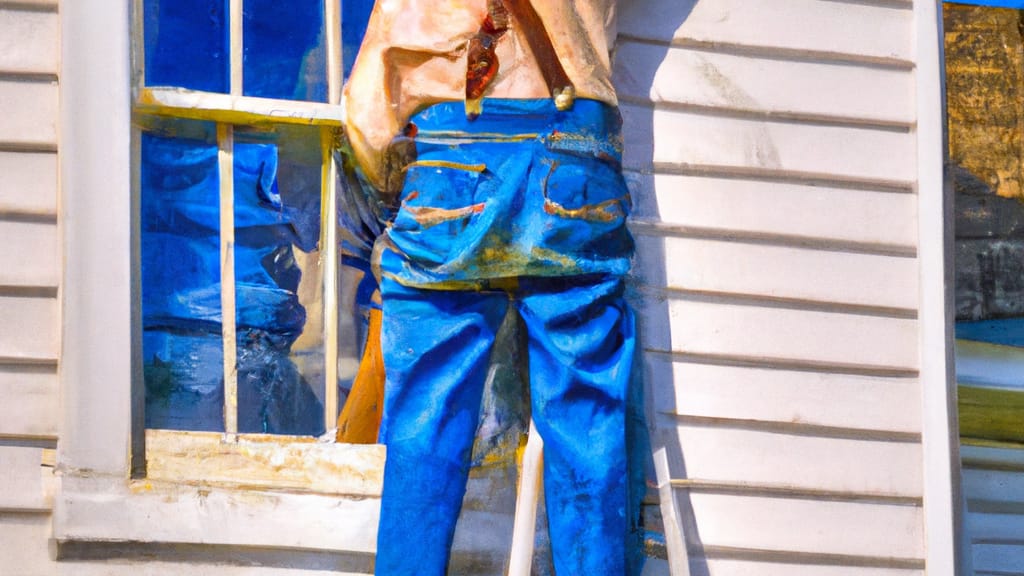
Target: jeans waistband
<point>589,127</point>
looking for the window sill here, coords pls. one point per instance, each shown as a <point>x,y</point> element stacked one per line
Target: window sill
<point>258,491</point>
<point>264,462</point>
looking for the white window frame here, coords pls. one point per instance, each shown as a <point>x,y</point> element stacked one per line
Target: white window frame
<point>99,498</point>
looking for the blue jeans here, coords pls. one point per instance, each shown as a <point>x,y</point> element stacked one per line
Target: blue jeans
<point>524,207</point>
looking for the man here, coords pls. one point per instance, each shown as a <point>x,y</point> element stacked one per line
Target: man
<point>491,127</point>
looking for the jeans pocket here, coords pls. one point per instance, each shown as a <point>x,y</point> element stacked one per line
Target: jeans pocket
<point>437,205</point>
<point>586,190</point>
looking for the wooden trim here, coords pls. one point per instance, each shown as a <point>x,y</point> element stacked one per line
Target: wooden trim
<point>225,157</point>
<point>235,46</point>
<point>264,462</point>
<point>942,497</point>
<point>214,107</point>
<point>329,254</point>
<point>333,46</point>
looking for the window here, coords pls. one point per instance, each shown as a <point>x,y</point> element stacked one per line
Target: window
<point>125,114</point>
<point>238,232</point>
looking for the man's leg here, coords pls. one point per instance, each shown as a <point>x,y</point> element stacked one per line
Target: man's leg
<point>436,347</point>
<point>581,345</point>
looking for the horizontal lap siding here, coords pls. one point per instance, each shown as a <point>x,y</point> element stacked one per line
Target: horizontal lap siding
<point>771,152</point>
<point>29,280</point>
<point>993,486</point>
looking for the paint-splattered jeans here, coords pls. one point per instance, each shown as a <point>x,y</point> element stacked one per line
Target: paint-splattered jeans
<point>524,207</point>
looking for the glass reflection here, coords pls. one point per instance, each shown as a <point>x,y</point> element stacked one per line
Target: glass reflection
<point>180,250</point>
<point>186,44</point>
<point>284,53</point>
<point>279,281</point>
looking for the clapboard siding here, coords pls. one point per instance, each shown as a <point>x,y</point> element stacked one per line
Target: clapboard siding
<point>29,281</point>
<point>998,559</point>
<point>812,27</point>
<point>782,211</point>
<point>30,405</point>
<point>718,326</point>
<point>27,484</point>
<point>31,328</point>
<point>772,155</point>
<point>773,395</point>
<point>809,526</point>
<point>782,460</point>
<point>776,567</point>
<point>702,265</point>
<point>25,538</point>
<point>993,487</point>
<point>684,77</point>
<point>804,149</point>
<point>34,126</point>
<point>29,185</point>
<point>31,256</point>
<point>27,44</point>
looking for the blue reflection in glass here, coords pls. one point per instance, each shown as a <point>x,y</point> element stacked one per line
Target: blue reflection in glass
<point>354,16</point>
<point>274,396</point>
<point>284,50</point>
<point>180,248</point>
<point>181,287</point>
<point>186,44</point>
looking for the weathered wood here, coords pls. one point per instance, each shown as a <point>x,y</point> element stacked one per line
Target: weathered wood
<point>695,264</point>
<point>103,508</point>
<point>752,330</point>
<point>784,396</point>
<point>162,568</point>
<point>271,462</point>
<point>31,328</point>
<point>746,206</point>
<point>30,402</point>
<point>798,26</point>
<point>747,83</point>
<point>31,257</point>
<point>28,41</point>
<point>688,138</point>
<point>29,185</point>
<point>30,118</point>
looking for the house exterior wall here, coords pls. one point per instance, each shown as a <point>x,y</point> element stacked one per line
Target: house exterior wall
<point>772,153</point>
<point>29,279</point>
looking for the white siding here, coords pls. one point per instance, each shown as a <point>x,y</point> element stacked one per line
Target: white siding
<point>772,155</point>
<point>29,281</point>
<point>771,152</point>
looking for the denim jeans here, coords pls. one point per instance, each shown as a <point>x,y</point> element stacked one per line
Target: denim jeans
<point>524,207</point>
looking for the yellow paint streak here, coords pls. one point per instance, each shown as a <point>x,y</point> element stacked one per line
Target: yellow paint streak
<point>478,168</point>
<point>428,216</point>
<point>607,211</point>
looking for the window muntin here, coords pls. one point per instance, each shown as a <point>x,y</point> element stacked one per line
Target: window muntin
<point>253,269</point>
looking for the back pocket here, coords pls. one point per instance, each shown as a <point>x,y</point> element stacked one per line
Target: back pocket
<point>437,205</point>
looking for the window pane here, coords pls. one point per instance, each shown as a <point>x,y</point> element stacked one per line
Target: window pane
<point>279,281</point>
<point>186,44</point>
<point>354,16</point>
<point>284,50</point>
<point>180,249</point>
